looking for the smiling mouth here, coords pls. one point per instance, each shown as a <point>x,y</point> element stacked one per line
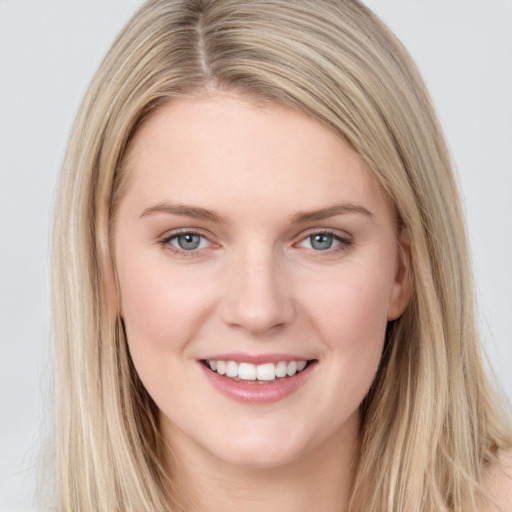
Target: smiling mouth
<point>249,373</point>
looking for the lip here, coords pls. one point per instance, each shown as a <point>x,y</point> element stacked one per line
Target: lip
<point>240,357</point>
<point>254,393</point>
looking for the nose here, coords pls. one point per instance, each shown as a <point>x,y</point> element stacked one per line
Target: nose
<point>258,298</point>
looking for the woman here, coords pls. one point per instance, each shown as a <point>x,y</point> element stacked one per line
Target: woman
<point>262,294</point>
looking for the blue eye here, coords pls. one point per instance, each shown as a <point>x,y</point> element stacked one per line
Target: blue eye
<point>321,241</point>
<point>188,241</point>
<point>325,241</point>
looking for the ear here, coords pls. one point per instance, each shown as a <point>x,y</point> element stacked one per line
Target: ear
<point>401,290</point>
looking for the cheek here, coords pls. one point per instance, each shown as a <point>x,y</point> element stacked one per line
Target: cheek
<point>350,314</point>
<point>351,306</point>
<point>161,309</point>
<point>358,332</point>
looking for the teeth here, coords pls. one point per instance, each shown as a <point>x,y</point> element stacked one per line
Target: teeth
<point>266,371</point>
<point>292,368</point>
<point>281,369</point>
<point>221,367</point>
<point>231,369</point>
<point>247,371</point>
<point>262,372</point>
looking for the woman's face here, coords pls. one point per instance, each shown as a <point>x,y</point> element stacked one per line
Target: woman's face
<point>253,243</point>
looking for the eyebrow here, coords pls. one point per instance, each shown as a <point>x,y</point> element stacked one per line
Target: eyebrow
<point>299,218</point>
<point>183,210</point>
<point>330,211</point>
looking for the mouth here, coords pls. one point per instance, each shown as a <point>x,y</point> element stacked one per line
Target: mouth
<point>249,373</point>
<point>257,378</point>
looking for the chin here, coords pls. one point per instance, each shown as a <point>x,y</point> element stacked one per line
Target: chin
<point>260,458</point>
<point>261,450</point>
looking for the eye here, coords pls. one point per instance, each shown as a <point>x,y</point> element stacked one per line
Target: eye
<point>324,241</point>
<point>188,241</point>
<point>321,241</point>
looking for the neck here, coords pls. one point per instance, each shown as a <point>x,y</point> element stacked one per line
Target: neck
<point>319,479</point>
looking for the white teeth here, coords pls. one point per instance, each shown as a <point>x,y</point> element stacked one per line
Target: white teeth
<point>292,368</point>
<point>247,371</point>
<point>262,372</point>
<point>266,371</point>
<point>281,368</point>
<point>221,367</point>
<point>231,369</point>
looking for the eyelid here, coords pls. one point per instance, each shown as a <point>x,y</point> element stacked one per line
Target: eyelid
<point>343,238</point>
<point>176,237</point>
<point>338,234</point>
<point>166,239</point>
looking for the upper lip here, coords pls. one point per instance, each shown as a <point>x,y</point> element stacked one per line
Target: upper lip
<point>240,357</point>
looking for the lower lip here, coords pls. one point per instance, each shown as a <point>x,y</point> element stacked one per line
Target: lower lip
<point>255,393</point>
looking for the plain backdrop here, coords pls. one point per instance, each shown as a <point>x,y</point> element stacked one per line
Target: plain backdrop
<point>48,53</point>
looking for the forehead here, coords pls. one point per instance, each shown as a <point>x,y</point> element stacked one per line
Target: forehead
<point>224,148</point>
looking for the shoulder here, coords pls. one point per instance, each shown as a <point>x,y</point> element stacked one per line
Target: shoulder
<point>500,485</point>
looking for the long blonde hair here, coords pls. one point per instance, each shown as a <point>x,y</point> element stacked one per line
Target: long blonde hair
<point>430,424</point>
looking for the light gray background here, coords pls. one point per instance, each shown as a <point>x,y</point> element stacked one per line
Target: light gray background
<point>49,51</point>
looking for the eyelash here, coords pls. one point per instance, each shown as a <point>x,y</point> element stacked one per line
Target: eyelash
<point>344,243</point>
<point>182,253</point>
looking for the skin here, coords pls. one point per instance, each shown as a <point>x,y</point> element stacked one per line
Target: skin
<point>499,483</point>
<point>257,285</point>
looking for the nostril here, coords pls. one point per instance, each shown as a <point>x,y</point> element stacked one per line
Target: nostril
<point>257,303</point>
